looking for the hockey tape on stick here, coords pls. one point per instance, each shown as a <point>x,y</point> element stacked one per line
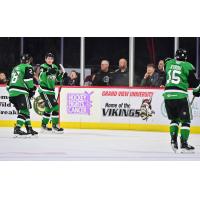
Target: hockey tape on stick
<point>63,72</point>
<point>192,100</point>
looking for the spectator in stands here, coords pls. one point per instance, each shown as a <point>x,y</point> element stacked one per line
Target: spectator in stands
<point>73,79</point>
<point>102,78</point>
<point>88,80</point>
<point>3,79</point>
<point>65,79</point>
<point>161,73</point>
<point>121,76</point>
<point>151,78</point>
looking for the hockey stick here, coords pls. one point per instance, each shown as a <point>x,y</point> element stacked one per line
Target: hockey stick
<point>63,71</point>
<point>59,91</point>
<point>192,100</point>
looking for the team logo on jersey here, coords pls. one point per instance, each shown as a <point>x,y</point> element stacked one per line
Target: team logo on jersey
<point>52,77</point>
<point>39,105</point>
<point>106,79</point>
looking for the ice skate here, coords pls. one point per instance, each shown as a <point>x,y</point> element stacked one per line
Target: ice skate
<point>186,148</point>
<point>174,145</point>
<point>58,130</point>
<point>31,131</point>
<point>19,133</point>
<point>45,129</point>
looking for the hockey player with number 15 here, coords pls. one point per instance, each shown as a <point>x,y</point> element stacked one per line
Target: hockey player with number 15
<point>180,75</point>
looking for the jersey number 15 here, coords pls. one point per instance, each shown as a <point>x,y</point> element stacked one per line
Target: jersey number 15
<point>173,77</point>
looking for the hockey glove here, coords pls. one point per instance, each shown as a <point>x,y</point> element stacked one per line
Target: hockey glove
<point>51,71</point>
<point>32,91</point>
<point>196,93</point>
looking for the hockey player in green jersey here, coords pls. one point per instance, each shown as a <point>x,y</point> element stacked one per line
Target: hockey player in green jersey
<point>180,75</point>
<point>49,76</point>
<point>21,89</point>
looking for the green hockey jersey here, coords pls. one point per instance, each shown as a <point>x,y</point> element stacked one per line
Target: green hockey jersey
<point>21,81</point>
<point>179,77</point>
<point>47,80</point>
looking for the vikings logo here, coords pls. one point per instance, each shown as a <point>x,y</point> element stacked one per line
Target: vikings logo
<point>146,109</point>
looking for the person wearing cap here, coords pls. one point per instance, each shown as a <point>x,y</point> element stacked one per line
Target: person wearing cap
<point>48,77</point>
<point>151,78</point>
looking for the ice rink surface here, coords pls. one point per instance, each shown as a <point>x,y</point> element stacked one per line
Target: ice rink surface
<point>85,144</point>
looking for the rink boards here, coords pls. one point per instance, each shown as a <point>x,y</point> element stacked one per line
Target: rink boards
<point>102,108</point>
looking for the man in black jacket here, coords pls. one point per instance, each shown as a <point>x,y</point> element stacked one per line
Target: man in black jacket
<point>102,78</point>
<point>121,76</point>
<point>151,78</point>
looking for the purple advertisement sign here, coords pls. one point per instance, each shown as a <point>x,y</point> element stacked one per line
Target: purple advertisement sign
<point>79,103</point>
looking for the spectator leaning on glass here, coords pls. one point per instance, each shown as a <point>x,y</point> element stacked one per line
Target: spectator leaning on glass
<point>121,76</point>
<point>3,79</point>
<point>161,73</point>
<point>151,78</point>
<point>73,79</point>
<point>102,78</point>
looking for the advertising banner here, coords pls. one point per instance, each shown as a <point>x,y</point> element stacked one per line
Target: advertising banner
<point>8,113</point>
<point>118,107</point>
<point>95,107</point>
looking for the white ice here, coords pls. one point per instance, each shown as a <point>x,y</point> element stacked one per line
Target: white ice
<point>85,144</point>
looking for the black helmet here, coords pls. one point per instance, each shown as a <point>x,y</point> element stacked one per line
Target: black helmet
<point>26,58</point>
<point>181,54</point>
<point>49,55</point>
